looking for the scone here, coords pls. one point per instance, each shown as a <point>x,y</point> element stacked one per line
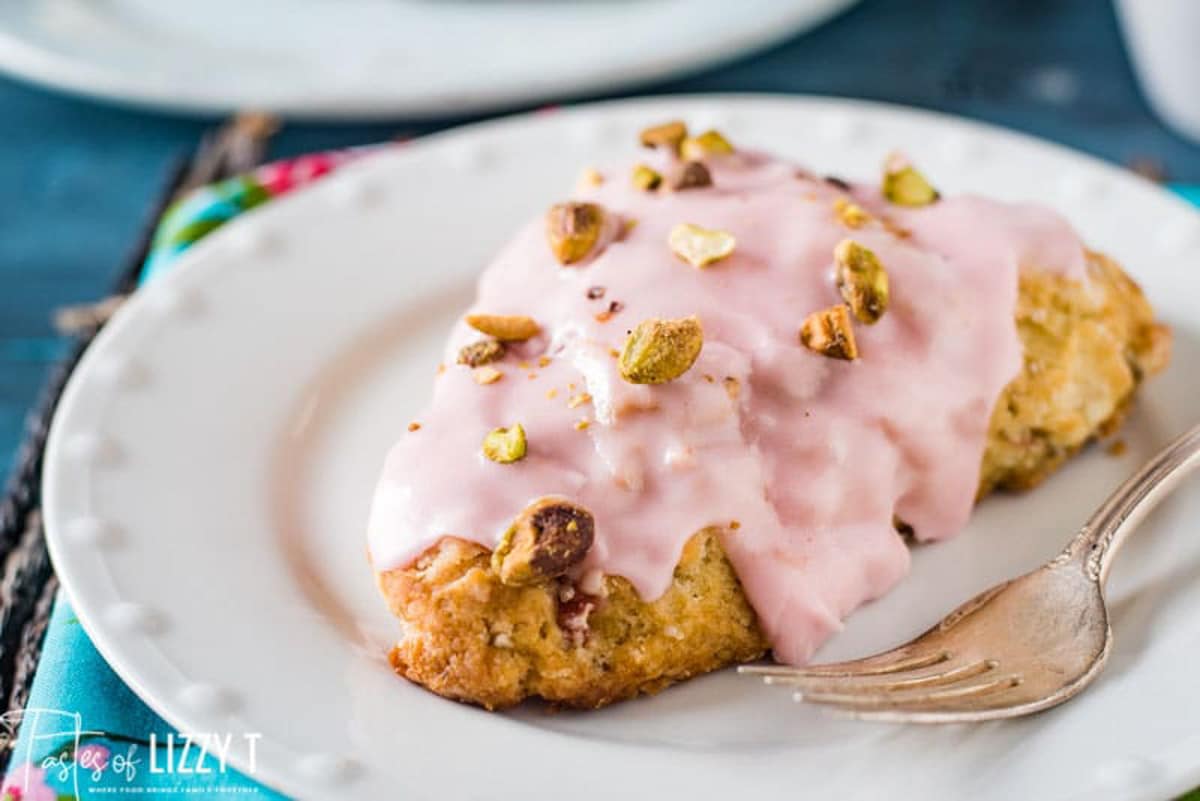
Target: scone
<point>698,409</point>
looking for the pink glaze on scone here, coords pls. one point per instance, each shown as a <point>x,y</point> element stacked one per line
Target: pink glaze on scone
<point>803,461</point>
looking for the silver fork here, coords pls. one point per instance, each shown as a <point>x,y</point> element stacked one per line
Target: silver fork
<point>1020,647</point>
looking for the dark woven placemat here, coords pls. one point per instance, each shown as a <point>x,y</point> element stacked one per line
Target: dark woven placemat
<point>27,581</point>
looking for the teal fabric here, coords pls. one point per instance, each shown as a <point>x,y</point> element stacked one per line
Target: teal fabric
<point>75,690</point>
<point>1190,193</point>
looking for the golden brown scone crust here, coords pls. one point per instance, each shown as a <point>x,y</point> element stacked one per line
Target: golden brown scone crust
<point>468,636</point>
<point>1087,347</point>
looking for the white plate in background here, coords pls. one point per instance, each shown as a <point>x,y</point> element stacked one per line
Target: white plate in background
<point>210,466</point>
<point>379,58</point>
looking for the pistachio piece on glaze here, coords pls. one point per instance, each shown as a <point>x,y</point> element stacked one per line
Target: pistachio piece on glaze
<point>850,214</point>
<point>477,354</point>
<point>573,229</point>
<point>646,178</point>
<point>658,351</point>
<point>607,314</point>
<point>709,143</point>
<point>505,445</point>
<point>862,280</point>
<point>700,246</point>
<point>829,333</point>
<point>547,539</point>
<point>668,135</point>
<point>590,177</point>
<point>904,185</point>
<point>894,228</point>
<point>506,328</point>
<point>692,175</point>
<point>487,375</point>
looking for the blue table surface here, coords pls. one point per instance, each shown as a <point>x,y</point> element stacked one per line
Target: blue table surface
<point>77,177</point>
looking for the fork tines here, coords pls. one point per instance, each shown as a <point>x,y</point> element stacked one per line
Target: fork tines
<point>929,683</point>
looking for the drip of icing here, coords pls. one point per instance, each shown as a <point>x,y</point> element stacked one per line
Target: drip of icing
<point>812,457</point>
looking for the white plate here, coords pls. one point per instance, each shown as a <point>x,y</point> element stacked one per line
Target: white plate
<point>374,58</point>
<point>210,466</point>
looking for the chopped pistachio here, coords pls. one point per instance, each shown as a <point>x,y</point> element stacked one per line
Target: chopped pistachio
<point>669,134</point>
<point>543,361</point>
<point>486,375</point>
<point>573,229</point>
<point>547,539</point>
<point>829,333</point>
<point>591,177</point>
<point>505,445</point>
<point>582,425</point>
<point>699,246</point>
<point>709,143</point>
<point>485,351</point>
<point>606,315</point>
<point>862,280</point>
<point>693,175</point>
<point>894,228</point>
<point>578,400</point>
<point>658,351</point>
<point>646,178</point>
<point>904,185</point>
<point>506,328</point>
<point>850,214</point>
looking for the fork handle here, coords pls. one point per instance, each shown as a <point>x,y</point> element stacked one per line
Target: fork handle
<point>1099,539</point>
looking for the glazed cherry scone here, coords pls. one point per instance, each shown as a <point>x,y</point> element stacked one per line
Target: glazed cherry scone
<point>699,409</point>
